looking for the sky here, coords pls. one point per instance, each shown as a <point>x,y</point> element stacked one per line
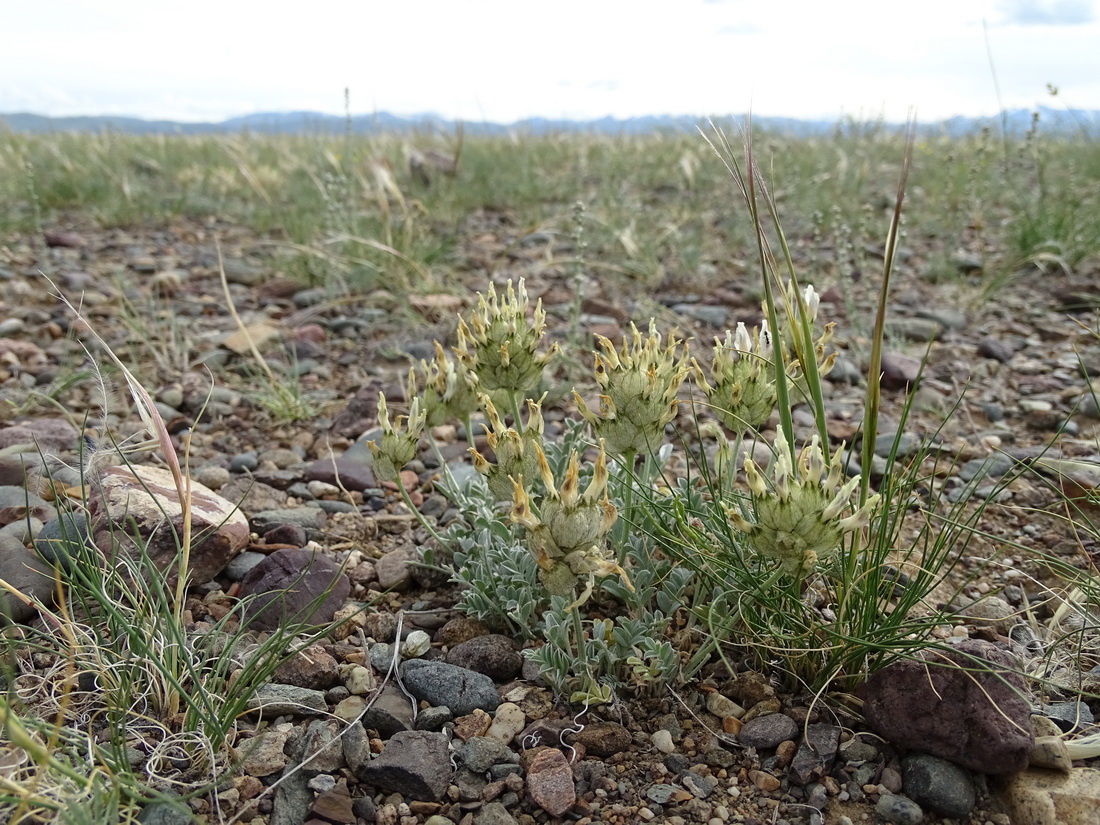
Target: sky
<point>505,60</point>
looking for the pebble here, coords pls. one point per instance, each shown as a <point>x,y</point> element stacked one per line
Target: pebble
<point>899,810</point>
<point>766,732</point>
<point>938,784</point>
<point>662,741</point>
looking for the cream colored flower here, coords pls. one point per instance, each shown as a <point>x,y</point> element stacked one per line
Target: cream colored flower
<point>798,520</point>
<point>639,383</point>
<point>449,392</point>
<point>516,453</point>
<point>396,448</point>
<point>743,394</point>
<point>567,535</point>
<point>500,344</point>
<point>787,333</point>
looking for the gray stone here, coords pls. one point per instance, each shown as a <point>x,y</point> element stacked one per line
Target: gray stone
<point>698,786</point>
<point>324,752</point>
<point>311,518</point>
<point>27,573</point>
<point>390,713</point>
<point>287,700</point>
<point>766,732</point>
<point>714,316</point>
<point>292,586</point>
<point>55,541</point>
<point>293,799</point>
<point>899,810</point>
<point>815,756</point>
<point>415,764</point>
<point>491,813</point>
<point>480,753</point>
<point>441,684</point>
<point>239,566</point>
<point>349,475</point>
<point>938,784</point>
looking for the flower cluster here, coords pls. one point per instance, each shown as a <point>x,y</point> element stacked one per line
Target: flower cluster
<point>799,522</point>
<point>566,536</point>
<point>500,345</point>
<point>396,448</point>
<point>449,392</point>
<point>516,454</point>
<point>789,334</point>
<point>743,394</point>
<point>639,384</point>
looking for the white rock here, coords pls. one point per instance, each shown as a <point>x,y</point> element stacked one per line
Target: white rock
<point>662,741</point>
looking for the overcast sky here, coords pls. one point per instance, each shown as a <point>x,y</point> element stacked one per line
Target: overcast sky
<point>504,60</point>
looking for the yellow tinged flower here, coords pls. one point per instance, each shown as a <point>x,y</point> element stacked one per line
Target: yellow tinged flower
<point>396,448</point>
<point>798,519</point>
<point>450,390</point>
<point>516,454</point>
<point>500,345</point>
<point>567,535</point>
<point>639,384</point>
<point>743,392</point>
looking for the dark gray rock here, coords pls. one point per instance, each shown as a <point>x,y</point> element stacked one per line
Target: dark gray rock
<point>27,573</point>
<point>293,799</point>
<point>323,750</point>
<point>390,713</point>
<point>1068,716</point>
<point>441,684</point>
<point>815,756</point>
<point>899,810</point>
<point>937,784</point>
<point>293,586</point>
<point>55,540</point>
<point>482,752</point>
<point>766,732</point>
<point>494,655</point>
<point>995,349</point>
<point>966,704</point>
<point>414,763</point>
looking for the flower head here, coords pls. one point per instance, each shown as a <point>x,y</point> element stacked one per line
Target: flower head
<point>500,344</point>
<point>516,453</point>
<point>639,384</point>
<point>743,394</point>
<point>798,521</point>
<point>449,392</point>
<point>396,448</point>
<point>566,536</point>
<point>790,334</point>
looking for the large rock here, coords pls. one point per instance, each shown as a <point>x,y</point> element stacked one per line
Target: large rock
<point>293,586</point>
<point>1042,797</point>
<point>967,705</point>
<point>132,504</point>
<point>414,763</point>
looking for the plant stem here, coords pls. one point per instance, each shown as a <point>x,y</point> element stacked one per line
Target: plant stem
<point>416,512</point>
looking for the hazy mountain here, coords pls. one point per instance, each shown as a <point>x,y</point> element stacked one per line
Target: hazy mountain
<point>1016,121</point>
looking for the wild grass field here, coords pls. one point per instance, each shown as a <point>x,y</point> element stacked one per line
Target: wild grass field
<point>749,419</point>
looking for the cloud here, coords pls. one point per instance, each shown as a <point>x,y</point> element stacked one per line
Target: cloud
<point>1047,12</point>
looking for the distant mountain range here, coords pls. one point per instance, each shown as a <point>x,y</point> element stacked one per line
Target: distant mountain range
<point>1015,121</point>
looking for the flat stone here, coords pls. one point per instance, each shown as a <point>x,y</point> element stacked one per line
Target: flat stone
<point>441,684</point>
<point>414,763</point>
<point>29,574</point>
<point>766,732</point>
<point>293,586</point>
<point>550,782</point>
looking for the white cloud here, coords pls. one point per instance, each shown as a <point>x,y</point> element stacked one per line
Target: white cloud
<point>504,60</point>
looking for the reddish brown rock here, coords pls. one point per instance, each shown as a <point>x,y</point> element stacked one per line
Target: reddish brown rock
<point>967,705</point>
<point>550,782</point>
